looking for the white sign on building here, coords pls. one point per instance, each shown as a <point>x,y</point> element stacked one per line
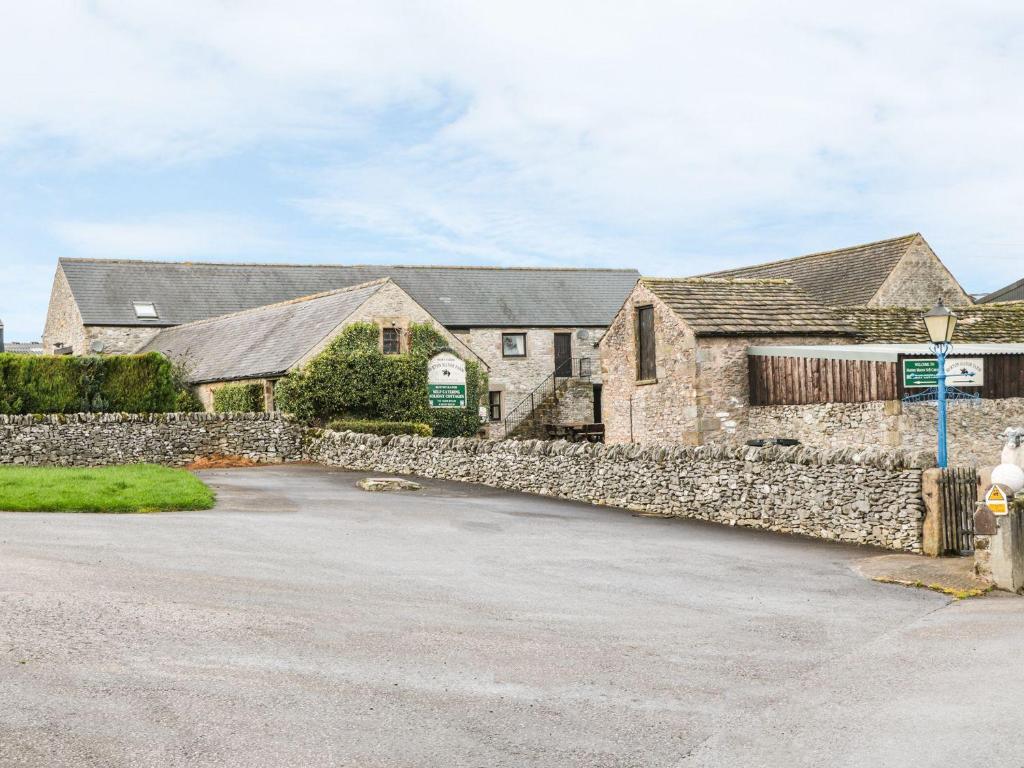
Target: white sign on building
<point>446,381</point>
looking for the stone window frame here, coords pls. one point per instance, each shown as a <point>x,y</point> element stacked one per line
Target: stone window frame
<point>514,333</point>
<point>385,342</point>
<point>653,369</point>
<point>492,403</point>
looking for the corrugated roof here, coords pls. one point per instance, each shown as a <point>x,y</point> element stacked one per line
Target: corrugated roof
<point>980,324</point>
<point>844,277</point>
<point>1011,292</point>
<point>457,296</point>
<point>265,341</point>
<point>885,353</point>
<point>744,307</point>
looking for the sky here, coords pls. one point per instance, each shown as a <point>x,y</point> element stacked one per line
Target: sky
<point>671,137</point>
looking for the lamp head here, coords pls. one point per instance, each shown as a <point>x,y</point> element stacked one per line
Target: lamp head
<point>940,322</point>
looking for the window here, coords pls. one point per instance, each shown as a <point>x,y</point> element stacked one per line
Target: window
<point>646,368</point>
<point>145,310</point>
<point>494,403</point>
<point>513,345</point>
<point>392,341</point>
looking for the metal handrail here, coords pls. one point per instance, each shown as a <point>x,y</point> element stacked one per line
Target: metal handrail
<point>576,367</point>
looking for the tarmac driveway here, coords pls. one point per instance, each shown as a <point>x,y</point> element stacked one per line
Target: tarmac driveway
<point>304,622</point>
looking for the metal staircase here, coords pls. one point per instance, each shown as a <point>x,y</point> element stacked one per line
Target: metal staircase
<point>546,393</point>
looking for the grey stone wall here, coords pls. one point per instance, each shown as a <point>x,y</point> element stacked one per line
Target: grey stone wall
<point>869,497</point>
<point>117,339</point>
<point>63,318</point>
<point>973,428</point>
<point>663,410</point>
<point>918,280</point>
<point>167,438</point>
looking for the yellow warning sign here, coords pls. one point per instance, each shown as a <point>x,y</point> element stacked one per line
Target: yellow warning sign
<point>995,500</point>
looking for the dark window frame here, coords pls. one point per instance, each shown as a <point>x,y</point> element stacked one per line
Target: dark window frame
<point>492,403</point>
<point>514,333</point>
<point>646,363</point>
<point>396,340</point>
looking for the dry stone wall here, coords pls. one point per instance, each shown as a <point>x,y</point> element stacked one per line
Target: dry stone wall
<point>868,497</point>
<point>165,438</point>
<point>974,427</point>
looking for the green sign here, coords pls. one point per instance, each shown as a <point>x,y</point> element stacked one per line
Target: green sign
<point>920,373</point>
<point>446,395</point>
<point>446,381</point>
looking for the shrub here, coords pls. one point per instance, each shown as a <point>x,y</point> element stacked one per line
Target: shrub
<point>238,397</point>
<point>381,427</point>
<point>66,384</point>
<point>353,380</point>
<point>187,402</point>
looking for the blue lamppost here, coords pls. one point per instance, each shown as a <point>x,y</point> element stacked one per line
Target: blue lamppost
<point>941,322</point>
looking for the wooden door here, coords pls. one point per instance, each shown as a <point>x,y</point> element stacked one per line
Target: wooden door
<point>563,354</point>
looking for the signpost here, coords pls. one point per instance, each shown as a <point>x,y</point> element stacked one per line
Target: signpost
<point>960,372</point>
<point>446,381</point>
<point>996,501</point>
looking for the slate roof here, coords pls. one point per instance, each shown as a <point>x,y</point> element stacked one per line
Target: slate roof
<point>980,324</point>
<point>844,277</point>
<point>457,296</point>
<point>1011,292</point>
<point>24,347</point>
<point>745,307</point>
<point>266,341</point>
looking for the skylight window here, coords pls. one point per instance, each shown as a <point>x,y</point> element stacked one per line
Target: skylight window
<point>145,310</point>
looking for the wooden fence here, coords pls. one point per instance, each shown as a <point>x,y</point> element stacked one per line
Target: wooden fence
<point>804,380</point>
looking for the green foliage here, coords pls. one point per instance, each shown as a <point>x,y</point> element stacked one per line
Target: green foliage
<point>238,397</point>
<point>187,402</point>
<point>65,384</point>
<point>131,488</point>
<point>381,427</point>
<point>353,379</point>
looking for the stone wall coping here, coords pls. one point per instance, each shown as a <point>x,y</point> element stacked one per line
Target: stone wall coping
<point>128,418</point>
<point>803,455</point>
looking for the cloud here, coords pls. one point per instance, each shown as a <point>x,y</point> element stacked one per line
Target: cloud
<point>180,236</point>
<point>674,136</point>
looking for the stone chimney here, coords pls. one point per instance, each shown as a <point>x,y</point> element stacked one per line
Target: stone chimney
<point>1,335</point>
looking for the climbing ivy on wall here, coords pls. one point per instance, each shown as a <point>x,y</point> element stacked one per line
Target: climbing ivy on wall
<point>353,379</point>
<point>238,397</point>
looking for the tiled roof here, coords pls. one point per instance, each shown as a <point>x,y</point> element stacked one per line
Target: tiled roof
<point>266,341</point>
<point>1011,292</point>
<point>980,324</point>
<point>845,277</point>
<point>456,296</point>
<point>24,347</point>
<point>743,307</point>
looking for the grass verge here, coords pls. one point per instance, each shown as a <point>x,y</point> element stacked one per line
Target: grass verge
<point>954,592</point>
<point>129,488</point>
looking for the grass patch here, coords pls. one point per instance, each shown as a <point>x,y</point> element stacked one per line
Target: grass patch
<point>129,488</point>
<point>956,594</point>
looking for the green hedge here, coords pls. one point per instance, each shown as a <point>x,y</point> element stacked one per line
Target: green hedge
<point>381,427</point>
<point>353,380</point>
<point>238,397</point>
<point>145,383</point>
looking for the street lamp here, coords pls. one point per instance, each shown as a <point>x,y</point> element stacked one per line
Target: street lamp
<point>941,322</point>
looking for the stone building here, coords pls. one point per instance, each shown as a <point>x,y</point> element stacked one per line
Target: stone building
<point>523,323</point>
<point>901,272</point>
<point>259,346</point>
<point>674,360</point>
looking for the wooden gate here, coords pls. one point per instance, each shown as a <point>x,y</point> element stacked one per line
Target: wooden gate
<point>959,493</point>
